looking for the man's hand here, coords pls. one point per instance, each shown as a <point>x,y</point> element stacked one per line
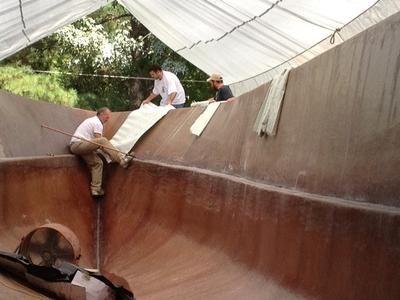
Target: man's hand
<point>149,98</point>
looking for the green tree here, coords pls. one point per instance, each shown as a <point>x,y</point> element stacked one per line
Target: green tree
<point>22,81</point>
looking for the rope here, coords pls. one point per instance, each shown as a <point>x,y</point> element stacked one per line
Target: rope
<point>22,14</point>
<point>108,76</point>
<point>332,39</point>
<point>23,21</point>
<point>252,19</point>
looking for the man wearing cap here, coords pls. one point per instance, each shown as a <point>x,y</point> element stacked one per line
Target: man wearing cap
<point>168,86</point>
<point>223,92</point>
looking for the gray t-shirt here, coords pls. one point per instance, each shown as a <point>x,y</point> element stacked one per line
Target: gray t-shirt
<point>223,93</point>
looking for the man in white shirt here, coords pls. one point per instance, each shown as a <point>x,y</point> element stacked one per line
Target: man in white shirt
<point>91,130</point>
<point>168,86</point>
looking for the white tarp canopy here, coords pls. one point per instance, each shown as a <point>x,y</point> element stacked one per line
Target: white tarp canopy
<point>23,22</point>
<point>247,41</point>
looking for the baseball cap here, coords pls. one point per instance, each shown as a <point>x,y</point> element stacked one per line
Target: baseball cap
<point>215,77</point>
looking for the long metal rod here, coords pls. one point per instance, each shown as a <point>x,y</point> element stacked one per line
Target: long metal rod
<point>83,139</point>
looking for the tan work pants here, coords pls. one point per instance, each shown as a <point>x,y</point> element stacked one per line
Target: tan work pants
<point>94,162</point>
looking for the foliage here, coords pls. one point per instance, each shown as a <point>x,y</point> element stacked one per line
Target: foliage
<point>22,81</point>
<point>111,42</point>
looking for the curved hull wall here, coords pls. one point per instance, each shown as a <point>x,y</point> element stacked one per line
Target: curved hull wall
<point>36,191</point>
<point>312,213</point>
<point>185,233</point>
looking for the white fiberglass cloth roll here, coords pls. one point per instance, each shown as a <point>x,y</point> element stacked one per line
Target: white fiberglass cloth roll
<point>202,121</point>
<point>136,124</point>
<point>268,116</point>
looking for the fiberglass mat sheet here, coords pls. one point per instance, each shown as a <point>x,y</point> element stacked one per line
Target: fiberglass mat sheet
<point>136,124</point>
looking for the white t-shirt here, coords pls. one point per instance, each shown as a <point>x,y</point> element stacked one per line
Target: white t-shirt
<point>88,128</point>
<point>167,85</point>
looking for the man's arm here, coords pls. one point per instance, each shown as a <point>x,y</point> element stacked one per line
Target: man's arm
<point>171,98</point>
<point>213,99</point>
<point>149,98</point>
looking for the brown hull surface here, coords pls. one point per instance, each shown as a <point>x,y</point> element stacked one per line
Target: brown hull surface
<point>312,213</point>
<point>185,233</point>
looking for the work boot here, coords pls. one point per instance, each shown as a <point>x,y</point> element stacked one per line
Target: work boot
<point>97,192</point>
<point>125,161</point>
